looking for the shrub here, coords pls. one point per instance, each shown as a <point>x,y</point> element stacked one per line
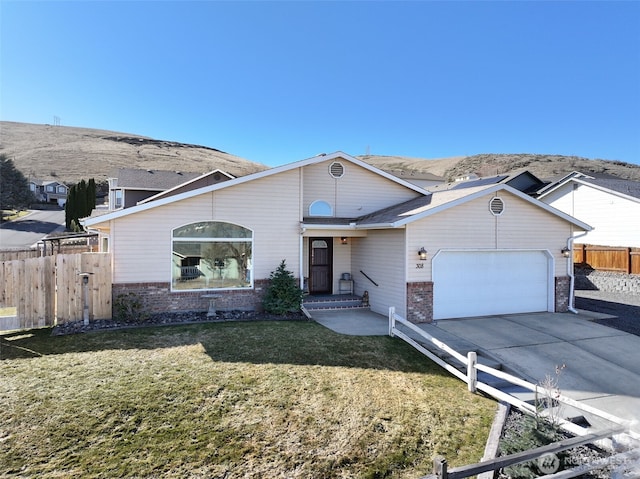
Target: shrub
<point>129,308</point>
<point>283,294</point>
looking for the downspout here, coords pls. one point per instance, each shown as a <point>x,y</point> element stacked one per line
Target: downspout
<point>301,258</point>
<point>572,279</point>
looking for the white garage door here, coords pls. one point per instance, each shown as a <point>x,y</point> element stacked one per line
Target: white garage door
<point>481,283</point>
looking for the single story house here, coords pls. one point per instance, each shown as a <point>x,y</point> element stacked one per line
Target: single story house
<point>476,251</point>
<point>610,204</point>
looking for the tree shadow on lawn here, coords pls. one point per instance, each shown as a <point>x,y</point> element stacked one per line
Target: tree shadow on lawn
<point>258,342</point>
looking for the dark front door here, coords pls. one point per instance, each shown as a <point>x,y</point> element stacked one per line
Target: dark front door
<point>320,261</point>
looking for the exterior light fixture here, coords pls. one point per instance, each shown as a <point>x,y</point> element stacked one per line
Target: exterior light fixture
<point>343,240</point>
<point>566,252</point>
<point>422,254</point>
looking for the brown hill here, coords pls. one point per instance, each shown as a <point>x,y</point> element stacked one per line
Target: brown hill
<point>69,154</point>
<point>543,166</point>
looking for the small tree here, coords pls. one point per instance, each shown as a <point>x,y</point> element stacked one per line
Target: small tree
<point>14,186</point>
<point>283,294</point>
<point>81,201</point>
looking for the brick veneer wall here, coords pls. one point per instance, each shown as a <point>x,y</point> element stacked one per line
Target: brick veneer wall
<point>420,299</point>
<point>563,283</point>
<point>420,302</point>
<point>158,297</point>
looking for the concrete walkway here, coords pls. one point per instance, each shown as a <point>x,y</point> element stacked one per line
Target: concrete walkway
<point>601,364</point>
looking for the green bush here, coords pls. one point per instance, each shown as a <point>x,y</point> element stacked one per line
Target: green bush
<point>283,294</point>
<point>129,308</point>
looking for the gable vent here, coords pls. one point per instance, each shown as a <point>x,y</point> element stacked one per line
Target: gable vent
<point>496,206</point>
<point>336,169</point>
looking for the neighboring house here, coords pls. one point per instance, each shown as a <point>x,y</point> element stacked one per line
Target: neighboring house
<point>609,204</point>
<point>523,181</point>
<point>128,186</point>
<point>488,249</point>
<point>49,191</point>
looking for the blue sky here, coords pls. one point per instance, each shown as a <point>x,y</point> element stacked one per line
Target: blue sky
<point>276,82</point>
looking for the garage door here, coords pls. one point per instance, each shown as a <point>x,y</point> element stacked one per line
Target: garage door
<point>481,283</point>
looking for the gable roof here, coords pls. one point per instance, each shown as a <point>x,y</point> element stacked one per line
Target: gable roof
<point>419,208</point>
<point>628,189</point>
<point>47,183</point>
<point>224,176</point>
<point>245,179</point>
<point>132,178</point>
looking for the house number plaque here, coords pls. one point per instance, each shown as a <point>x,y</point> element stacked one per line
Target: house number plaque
<point>419,265</point>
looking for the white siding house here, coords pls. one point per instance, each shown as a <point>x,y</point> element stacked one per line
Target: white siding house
<point>334,215</point>
<point>610,206</point>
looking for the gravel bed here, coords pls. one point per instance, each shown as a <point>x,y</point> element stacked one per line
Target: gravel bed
<point>165,319</point>
<point>577,456</point>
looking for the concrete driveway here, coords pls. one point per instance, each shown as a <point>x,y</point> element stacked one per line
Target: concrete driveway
<point>601,364</point>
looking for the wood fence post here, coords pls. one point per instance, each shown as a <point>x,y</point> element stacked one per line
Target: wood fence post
<point>628,260</point>
<point>472,372</point>
<point>440,467</point>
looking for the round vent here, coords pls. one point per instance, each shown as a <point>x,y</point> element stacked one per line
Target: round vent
<point>496,206</point>
<point>336,169</point>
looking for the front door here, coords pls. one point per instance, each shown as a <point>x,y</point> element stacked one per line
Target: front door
<point>320,262</point>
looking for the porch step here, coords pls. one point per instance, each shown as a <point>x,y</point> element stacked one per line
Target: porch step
<point>333,302</point>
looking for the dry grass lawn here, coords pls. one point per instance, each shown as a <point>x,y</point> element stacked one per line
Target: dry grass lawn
<point>233,400</point>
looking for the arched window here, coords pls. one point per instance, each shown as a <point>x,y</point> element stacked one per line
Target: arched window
<point>320,208</point>
<point>212,255</point>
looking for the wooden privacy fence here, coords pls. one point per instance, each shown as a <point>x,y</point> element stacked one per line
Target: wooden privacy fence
<point>608,258</point>
<point>48,290</point>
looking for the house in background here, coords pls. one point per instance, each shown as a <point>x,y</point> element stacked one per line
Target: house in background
<point>610,204</point>
<point>49,191</point>
<point>523,181</point>
<point>482,250</point>
<point>128,186</point>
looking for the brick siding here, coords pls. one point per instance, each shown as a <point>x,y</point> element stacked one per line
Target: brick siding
<point>158,297</point>
<point>563,284</point>
<point>420,302</point>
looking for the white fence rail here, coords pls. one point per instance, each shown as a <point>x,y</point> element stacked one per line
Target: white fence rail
<point>471,365</point>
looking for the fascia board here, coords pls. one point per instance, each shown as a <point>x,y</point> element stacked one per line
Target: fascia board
<point>487,191</point>
<point>182,185</point>
<point>328,227</point>
<point>576,222</point>
<point>607,190</point>
<point>594,186</point>
<point>555,187</point>
<point>244,179</point>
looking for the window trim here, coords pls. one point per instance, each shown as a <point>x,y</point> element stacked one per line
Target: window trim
<point>190,239</point>
<point>320,203</point>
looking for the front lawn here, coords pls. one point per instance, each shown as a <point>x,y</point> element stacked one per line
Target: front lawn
<point>243,399</point>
